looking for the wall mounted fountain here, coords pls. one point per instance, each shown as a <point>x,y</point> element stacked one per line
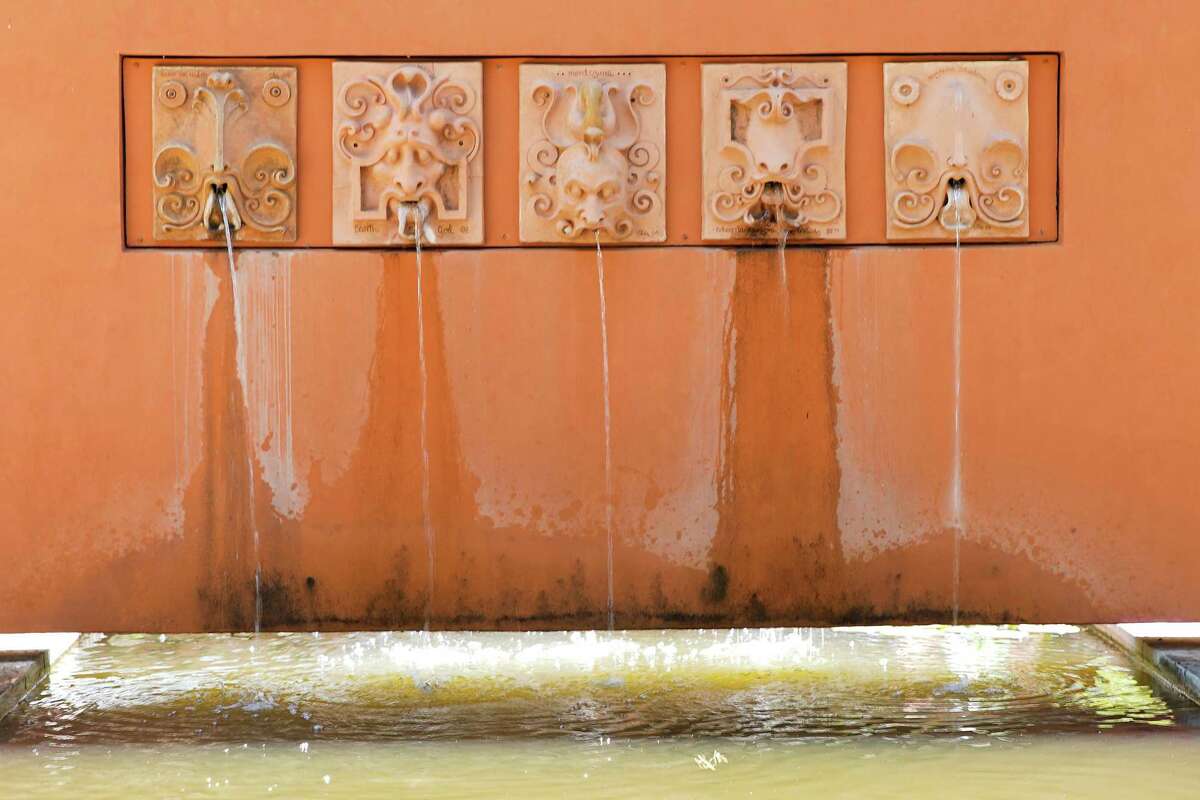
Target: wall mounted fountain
<point>576,147</point>
<point>774,151</point>
<point>225,130</point>
<point>593,141</point>
<point>407,142</point>
<point>956,136</point>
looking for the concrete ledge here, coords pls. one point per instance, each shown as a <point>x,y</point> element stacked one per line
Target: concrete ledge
<point>20,672</point>
<point>1171,651</point>
<point>25,661</point>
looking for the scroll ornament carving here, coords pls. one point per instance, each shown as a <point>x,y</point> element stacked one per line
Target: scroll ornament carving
<point>409,140</point>
<point>777,119</point>
<point>258,176</point>
<point>958,160</point>
<point>591,170</point>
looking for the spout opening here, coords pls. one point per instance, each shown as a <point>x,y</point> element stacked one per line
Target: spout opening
<point>958,213</point>
<point>413,219</point>
<point>219,193</point>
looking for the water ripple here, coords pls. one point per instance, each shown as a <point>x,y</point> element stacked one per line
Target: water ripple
<point>748,685</point>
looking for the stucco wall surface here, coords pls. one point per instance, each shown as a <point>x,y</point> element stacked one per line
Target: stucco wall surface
<point>780,443</point>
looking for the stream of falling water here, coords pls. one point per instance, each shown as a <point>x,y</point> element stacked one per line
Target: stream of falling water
<point>239,343</point>
<point>426,491</point>
<point>956,469</point>
<point>783,272</point>
<point>608,480</point>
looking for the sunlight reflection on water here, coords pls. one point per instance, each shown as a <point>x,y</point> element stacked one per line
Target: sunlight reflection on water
<point>455,710</point>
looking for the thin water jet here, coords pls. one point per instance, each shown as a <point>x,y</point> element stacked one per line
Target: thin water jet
<point>239,347</point>
<point>426,489</point>
<point>608,479</point>
<point>956,499</point>
<point>781,250</point>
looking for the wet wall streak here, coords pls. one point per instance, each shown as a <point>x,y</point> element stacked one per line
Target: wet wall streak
<point>777,547</point>
<point>891,326</point>
<point>513,359</point>
<point>217,505</point>
<point>181,567</point>
<point>777,554</point>
<point>725,449</point>
<point>705,345</point>
<point>726,462</point>
<point>355,557</point>
<point>722,403</point>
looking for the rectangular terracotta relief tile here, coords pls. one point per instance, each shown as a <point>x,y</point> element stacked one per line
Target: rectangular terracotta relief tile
<point>593,150</point>
<point>774,151</point>
<point>957,149</point>
<point>224,127</point>
<point>407,151</point>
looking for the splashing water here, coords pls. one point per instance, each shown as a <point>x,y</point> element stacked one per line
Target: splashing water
<point>239,337</point>
<point>1008,711</point>
<point>709,688</point>
<point>710,763</point>
<point>608,479</point>
<point>956,469</point>
<point>426,490</point>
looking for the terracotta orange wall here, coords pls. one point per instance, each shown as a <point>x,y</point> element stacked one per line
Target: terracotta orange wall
<point>782,442</point>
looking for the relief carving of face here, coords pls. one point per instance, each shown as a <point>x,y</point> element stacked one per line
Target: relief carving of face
<point>776,121</point>
<point>959,163</point>
<point>590,173</point>
<point>409,139</point>
<point>591,188</point>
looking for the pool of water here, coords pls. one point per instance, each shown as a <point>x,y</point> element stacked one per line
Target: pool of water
<point>974,711</point>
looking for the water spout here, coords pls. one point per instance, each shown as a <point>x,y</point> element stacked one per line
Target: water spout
<point>413,222</point>
<point>228,225</point>
<point>220,210</point>
<point>957,214</point>
<point>608,474</point>
<point>417,214</point>
<point>956,495</point>
<point>783,272</point>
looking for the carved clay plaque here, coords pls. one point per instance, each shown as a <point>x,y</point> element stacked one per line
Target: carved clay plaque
<point>774,151</point>
<point>407,153</point>
<point>593,144</point>
<point>230,129</point>
<point>957,139</point>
